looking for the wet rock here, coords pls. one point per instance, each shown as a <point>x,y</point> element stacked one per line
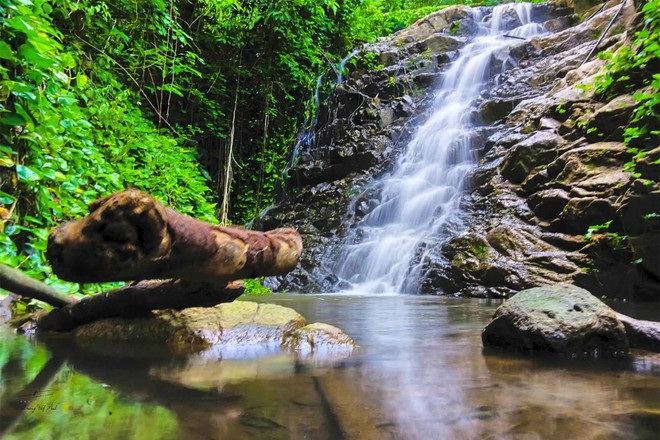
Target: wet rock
<point>438,44</point>
<point>548,203</point>
<point>596,168</point>
<point>492,111</point>
<point>561,319</point>
<point>538,149</point>
<point>641,218</point>
<point>431,24</point>
<point>580,213</point>
<point>609,121</point>
<point>319,338</point>
<point>239,325</point>
<point>649,166</point>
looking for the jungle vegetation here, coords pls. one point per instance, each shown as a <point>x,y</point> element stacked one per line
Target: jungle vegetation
<point>198,102</point>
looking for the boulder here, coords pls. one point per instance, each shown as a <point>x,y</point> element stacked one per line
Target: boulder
<point>640,215</point>
<point>548,203</point>
<point>609,121</point>
<point>580,213</point>
<point>560,319</point>
<point>538,149</point>
<point>237,326</point>
<point>434,23</point>
<point>649,165</point>
<point>592,170</point>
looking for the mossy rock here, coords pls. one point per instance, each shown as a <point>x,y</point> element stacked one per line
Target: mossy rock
<point>559,319</point>
<point>235,324</point>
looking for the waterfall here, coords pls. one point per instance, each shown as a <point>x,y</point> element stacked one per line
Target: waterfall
<point>306,135</point>
<point>342,65</point>
<point>422,192</point>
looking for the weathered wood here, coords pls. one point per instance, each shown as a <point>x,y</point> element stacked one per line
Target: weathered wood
<point>641,334</point>
<point>131,236</point>
<point>17,282</point>
<point>138,300</point>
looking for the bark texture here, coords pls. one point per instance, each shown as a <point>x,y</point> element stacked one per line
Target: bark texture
<point>138,300</point>
<point>131,236</point>
<point>641,334</point>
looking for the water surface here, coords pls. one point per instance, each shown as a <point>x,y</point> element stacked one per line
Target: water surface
<point>420,373</point>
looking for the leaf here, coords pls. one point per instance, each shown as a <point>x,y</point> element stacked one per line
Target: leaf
<point>29,218</point>
<point>12,119</point>
<point>6,162</point>
<point>5,51</point>
<point>6,199</point>
<point>25,174</point>
<point>82,81</point>
<point>32,56</point>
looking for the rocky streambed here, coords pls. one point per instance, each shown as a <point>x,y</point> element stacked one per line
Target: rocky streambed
<point>551,163</point>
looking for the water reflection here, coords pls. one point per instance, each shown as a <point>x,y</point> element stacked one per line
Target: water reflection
<point>420,373</point>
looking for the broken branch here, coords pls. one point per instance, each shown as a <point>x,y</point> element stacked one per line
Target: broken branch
<point>138,300</point>
<point>15,281</point>
<point>131,236</point>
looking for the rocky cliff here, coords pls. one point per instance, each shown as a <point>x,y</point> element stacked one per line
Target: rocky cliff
<point>552,163</point>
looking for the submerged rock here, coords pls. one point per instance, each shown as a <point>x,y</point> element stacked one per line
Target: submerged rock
<point>560,319</point>
<point>240,327</point>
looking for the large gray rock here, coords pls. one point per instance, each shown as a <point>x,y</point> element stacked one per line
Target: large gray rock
<point>560,319</point>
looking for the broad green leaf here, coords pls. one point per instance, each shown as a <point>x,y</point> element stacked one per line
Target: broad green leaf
<point>12,119</point>
<point>6,199</point>
<point>6,161</point>
<point>31,55</point>
<point>82,81</point>
<point>25,174</point>
<point>5,51</point>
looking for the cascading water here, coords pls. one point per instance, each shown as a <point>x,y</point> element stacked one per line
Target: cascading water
<point>305,138</point>
<point>423,191</point>
<point>342,65</point>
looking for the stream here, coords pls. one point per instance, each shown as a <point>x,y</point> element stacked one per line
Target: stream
<point>420,370</point>
<point>419,373</point>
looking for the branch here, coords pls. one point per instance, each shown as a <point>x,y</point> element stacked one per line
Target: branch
<point>13,408</point>
<point>131,236</point>
<point>17,282</point>
<point>641,334</point>
<point>138,300</point>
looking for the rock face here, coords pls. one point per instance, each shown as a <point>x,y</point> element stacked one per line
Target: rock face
<point>561,319</point>
<point>214,331</point>
<point>552,165</point>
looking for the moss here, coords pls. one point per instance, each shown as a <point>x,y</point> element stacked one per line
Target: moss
<point>454,28</point>
<point>480,251</point>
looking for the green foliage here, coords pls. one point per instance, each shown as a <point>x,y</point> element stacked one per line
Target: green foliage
<point>628,70</point>
<point>480,251</point>
<point>596,228</point>
<point>256,287</point>
<point>72,405</point>
<point>71,132</point>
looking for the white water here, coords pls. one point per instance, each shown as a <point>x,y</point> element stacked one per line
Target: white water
<point>342,66</point>
<point>423,191</point>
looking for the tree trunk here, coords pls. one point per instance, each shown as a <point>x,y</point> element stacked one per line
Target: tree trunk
<point>131,236</point>
<point>138,300</point>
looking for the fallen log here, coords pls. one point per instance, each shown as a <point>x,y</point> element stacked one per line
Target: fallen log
<point>131,236</point>
<point>15,281</point>
<point>140,299</point>
<point>641,334</point>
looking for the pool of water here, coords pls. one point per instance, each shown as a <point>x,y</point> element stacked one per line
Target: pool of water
<point>420,372</point>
